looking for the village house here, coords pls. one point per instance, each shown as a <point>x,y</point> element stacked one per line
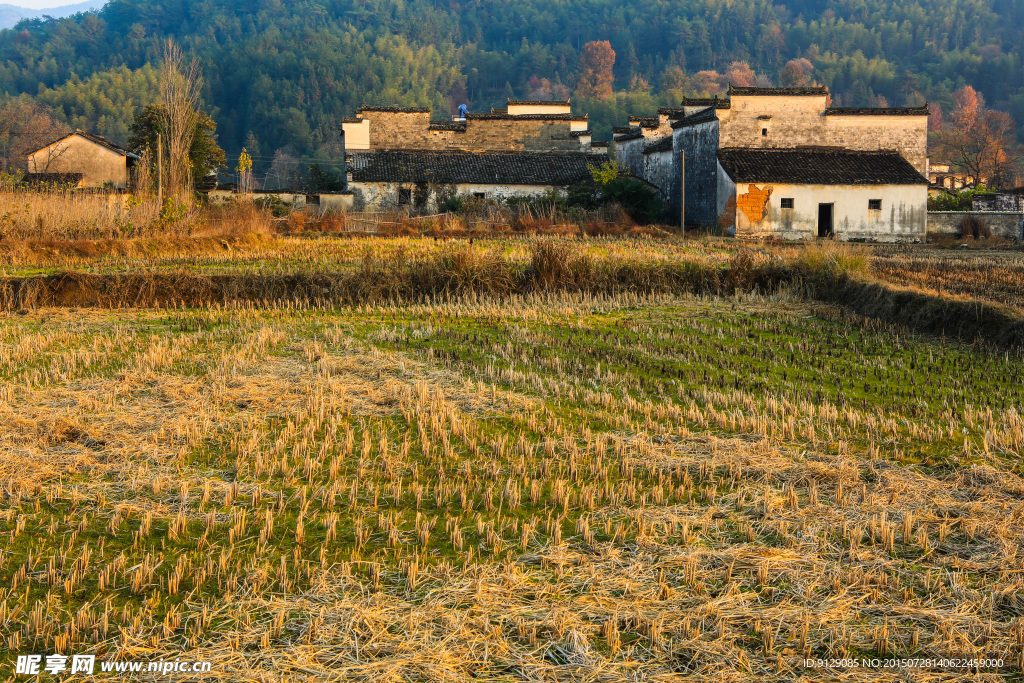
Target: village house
<point>84,159</point>
<point>398,157</point>
<point>681,152</point>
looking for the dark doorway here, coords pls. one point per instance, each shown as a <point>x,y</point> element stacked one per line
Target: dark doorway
<point>824,220</point>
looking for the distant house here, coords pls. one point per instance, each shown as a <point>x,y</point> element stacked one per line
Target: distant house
<point>95,161</point>
<point>424,179</point>
<point>806,193</point>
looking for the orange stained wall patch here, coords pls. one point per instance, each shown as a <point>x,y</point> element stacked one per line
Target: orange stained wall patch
<point>755,202</point>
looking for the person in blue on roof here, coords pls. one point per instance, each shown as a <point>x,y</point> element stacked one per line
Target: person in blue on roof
<point>462,111</point>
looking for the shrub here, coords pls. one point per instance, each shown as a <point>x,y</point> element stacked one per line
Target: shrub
<point>975,227</point>
<point>641,201</point>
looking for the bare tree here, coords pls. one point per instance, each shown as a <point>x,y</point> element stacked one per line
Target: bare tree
<point>179,93</point>
<point>26,126</point>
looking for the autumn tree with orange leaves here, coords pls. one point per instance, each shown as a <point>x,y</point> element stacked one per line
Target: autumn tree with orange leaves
<point>979,140</point>
<point>596,62</point>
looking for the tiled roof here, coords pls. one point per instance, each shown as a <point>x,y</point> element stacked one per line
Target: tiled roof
<point>528,117</point>
<point>743,90</point>
<point>877,111</point>
<point>497,168</point>
<point>632,134</point>
<point>101,141</point>
<point>580,133</point>
<point>351,119</point>
<point>599,143</point>
<point>52,178</point>
<point>818,167</point>
<point>658,145</point>
<point>703,116</point>
<point>716,102</point>
<point>644,121</point>
<point>672,112</point>
<point>397,110</point>
<point>560,103</point>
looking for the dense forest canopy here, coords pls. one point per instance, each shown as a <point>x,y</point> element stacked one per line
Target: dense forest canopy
<point>279,76</point>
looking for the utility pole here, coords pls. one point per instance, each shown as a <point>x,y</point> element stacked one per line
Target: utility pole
<point>682,193</point>
<point>159,171</point>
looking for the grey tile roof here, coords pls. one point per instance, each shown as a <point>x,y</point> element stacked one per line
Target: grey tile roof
<point>803,166</point>
<point>877,111</point>
<point>497,168</point>
<point>744,90</point>
<point>716,102</point>
<point>560,103</point>
<point>658,145</point>
<point>702,116</point>
<point>395,110</point>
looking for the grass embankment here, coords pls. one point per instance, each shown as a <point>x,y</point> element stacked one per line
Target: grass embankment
<point>349,272</point>
<point>558,486</point>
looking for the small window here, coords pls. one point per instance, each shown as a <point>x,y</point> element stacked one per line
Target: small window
<point>787,202</point>
<point>479,195</point>
<point>404,196</point>
<point>764,132</point>
<point>874,205</point>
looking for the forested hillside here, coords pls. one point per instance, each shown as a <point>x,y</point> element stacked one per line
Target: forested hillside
<point>279,75</point>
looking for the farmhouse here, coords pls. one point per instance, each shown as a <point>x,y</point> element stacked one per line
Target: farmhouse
<point>802,193</point>
<point>397,157</point>
<point>425,179</point>
<point>678,151</point>
<point>92,161</point>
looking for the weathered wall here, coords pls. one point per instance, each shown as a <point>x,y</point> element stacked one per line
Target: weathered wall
<point>902,218</point>
<point>658,171</point>
<point>98,165</point>
<point>384,196</point>
<point>791,121</point>
<point>794,120</point>
<point>908,135</point>
<point>480,132</point>
<point>699,142</point>
<point>1007,224</point>
<point>1001,201</point>
<point>630,155</point>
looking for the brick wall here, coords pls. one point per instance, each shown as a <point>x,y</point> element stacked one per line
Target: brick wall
<point>774,122</point>
<point>411,130</point>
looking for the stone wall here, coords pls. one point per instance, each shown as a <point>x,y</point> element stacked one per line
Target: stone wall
<point>1007,224</point>
<point>1000,201</point>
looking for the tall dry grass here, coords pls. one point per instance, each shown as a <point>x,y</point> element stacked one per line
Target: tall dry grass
<point>66,214</point>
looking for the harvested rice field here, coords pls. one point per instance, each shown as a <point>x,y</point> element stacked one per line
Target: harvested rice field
<point>547,487</point>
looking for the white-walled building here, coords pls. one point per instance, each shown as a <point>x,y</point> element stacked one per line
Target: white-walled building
<point>424,179</point>
<point>807,193</point>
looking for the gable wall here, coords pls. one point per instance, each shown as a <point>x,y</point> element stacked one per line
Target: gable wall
<point>98,165</point>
